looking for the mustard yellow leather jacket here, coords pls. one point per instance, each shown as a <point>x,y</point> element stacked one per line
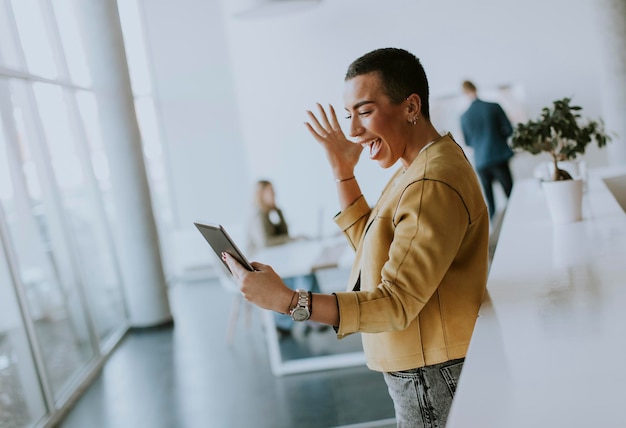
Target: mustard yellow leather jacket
<point>421,262</point>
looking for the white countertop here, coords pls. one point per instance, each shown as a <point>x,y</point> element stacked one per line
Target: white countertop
<point>549,347</point>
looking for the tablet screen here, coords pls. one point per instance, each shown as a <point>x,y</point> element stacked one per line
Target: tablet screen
<point>220,241</point>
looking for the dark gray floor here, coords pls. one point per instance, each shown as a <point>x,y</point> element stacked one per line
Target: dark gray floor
<point>188,377</point>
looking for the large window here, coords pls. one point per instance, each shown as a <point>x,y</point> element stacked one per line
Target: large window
<point>61,294</point>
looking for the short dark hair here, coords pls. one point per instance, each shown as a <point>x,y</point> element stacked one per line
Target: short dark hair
<point>469,86</point>
<point>401,74</point>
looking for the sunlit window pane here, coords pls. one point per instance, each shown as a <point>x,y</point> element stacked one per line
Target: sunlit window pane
<point>8,46</point>
<point>72,42</point>
<point>33,37</point>
<point>57,199</point>
<point>75,184</point>
<point>6,190</point>
<point>22,402</point>
<point>43,257</point>
<point>66,164</point>
<point>28,165</point>
<point>135,46</point>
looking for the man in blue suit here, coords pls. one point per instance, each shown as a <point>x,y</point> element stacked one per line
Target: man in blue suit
<point>486,129</point>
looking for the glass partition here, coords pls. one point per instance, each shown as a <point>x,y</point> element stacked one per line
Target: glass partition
<point>22,402</point>
<point>42,254</point>
<point>62,305</point>
<point>31,26</point>
<point>9,56</point>
<point>82,208</point>
<point>71,41</point>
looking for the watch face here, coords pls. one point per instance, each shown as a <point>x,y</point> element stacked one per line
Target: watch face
<point>300,314</point>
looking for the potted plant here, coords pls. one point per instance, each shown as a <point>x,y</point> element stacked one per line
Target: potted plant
<point>560,133</point>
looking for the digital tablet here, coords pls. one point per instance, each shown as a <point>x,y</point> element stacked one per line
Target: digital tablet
<point>220,241</point>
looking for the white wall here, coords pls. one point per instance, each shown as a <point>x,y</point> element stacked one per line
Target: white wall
<point>233,92</point>
<point>195,93</point>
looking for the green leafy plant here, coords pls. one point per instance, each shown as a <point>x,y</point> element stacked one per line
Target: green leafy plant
<point>559,132</point>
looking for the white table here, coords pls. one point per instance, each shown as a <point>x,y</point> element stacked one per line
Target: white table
<point>302,257</point>
<point>549,345</point>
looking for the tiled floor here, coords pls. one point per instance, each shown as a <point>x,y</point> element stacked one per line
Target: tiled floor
<point>188,377</point>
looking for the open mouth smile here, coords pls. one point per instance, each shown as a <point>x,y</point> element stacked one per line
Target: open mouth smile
<point>374,147</point>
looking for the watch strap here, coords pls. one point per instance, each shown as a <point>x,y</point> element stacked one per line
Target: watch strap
<point>303,303</point>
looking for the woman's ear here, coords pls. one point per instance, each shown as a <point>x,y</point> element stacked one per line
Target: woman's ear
<point>414,104</point>
<point>414,108</point>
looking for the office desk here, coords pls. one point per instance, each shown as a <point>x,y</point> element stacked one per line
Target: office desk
<point>549,345</point>
<point>302,257</point>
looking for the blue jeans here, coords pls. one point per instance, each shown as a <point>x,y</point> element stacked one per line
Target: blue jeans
<point>422,397</point>
<point>305,282</point>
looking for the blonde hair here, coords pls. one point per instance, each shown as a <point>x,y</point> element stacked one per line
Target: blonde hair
<point>258,201</point>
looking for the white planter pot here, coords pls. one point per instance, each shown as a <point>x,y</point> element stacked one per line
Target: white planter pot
<point>565,200</point>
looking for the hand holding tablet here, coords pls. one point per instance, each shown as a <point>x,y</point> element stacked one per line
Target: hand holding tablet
<point>220,241</point>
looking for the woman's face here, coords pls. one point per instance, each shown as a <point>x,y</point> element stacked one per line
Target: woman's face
<point>380,126</point>
<point>268,197</point>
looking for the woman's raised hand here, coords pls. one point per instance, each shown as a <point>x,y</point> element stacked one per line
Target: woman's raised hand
<point>342,154</point>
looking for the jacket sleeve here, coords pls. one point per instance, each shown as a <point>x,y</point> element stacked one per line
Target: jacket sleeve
<point>430,223</point>
<point>353,220</point>
<point>506,129</point>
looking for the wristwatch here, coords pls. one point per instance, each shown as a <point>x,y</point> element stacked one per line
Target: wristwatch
<point>301,312</point>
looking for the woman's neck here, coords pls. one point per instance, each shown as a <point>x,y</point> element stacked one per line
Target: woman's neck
<point>423,134</point>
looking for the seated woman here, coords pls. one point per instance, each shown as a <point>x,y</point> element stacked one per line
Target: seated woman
<point>267,227</point>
